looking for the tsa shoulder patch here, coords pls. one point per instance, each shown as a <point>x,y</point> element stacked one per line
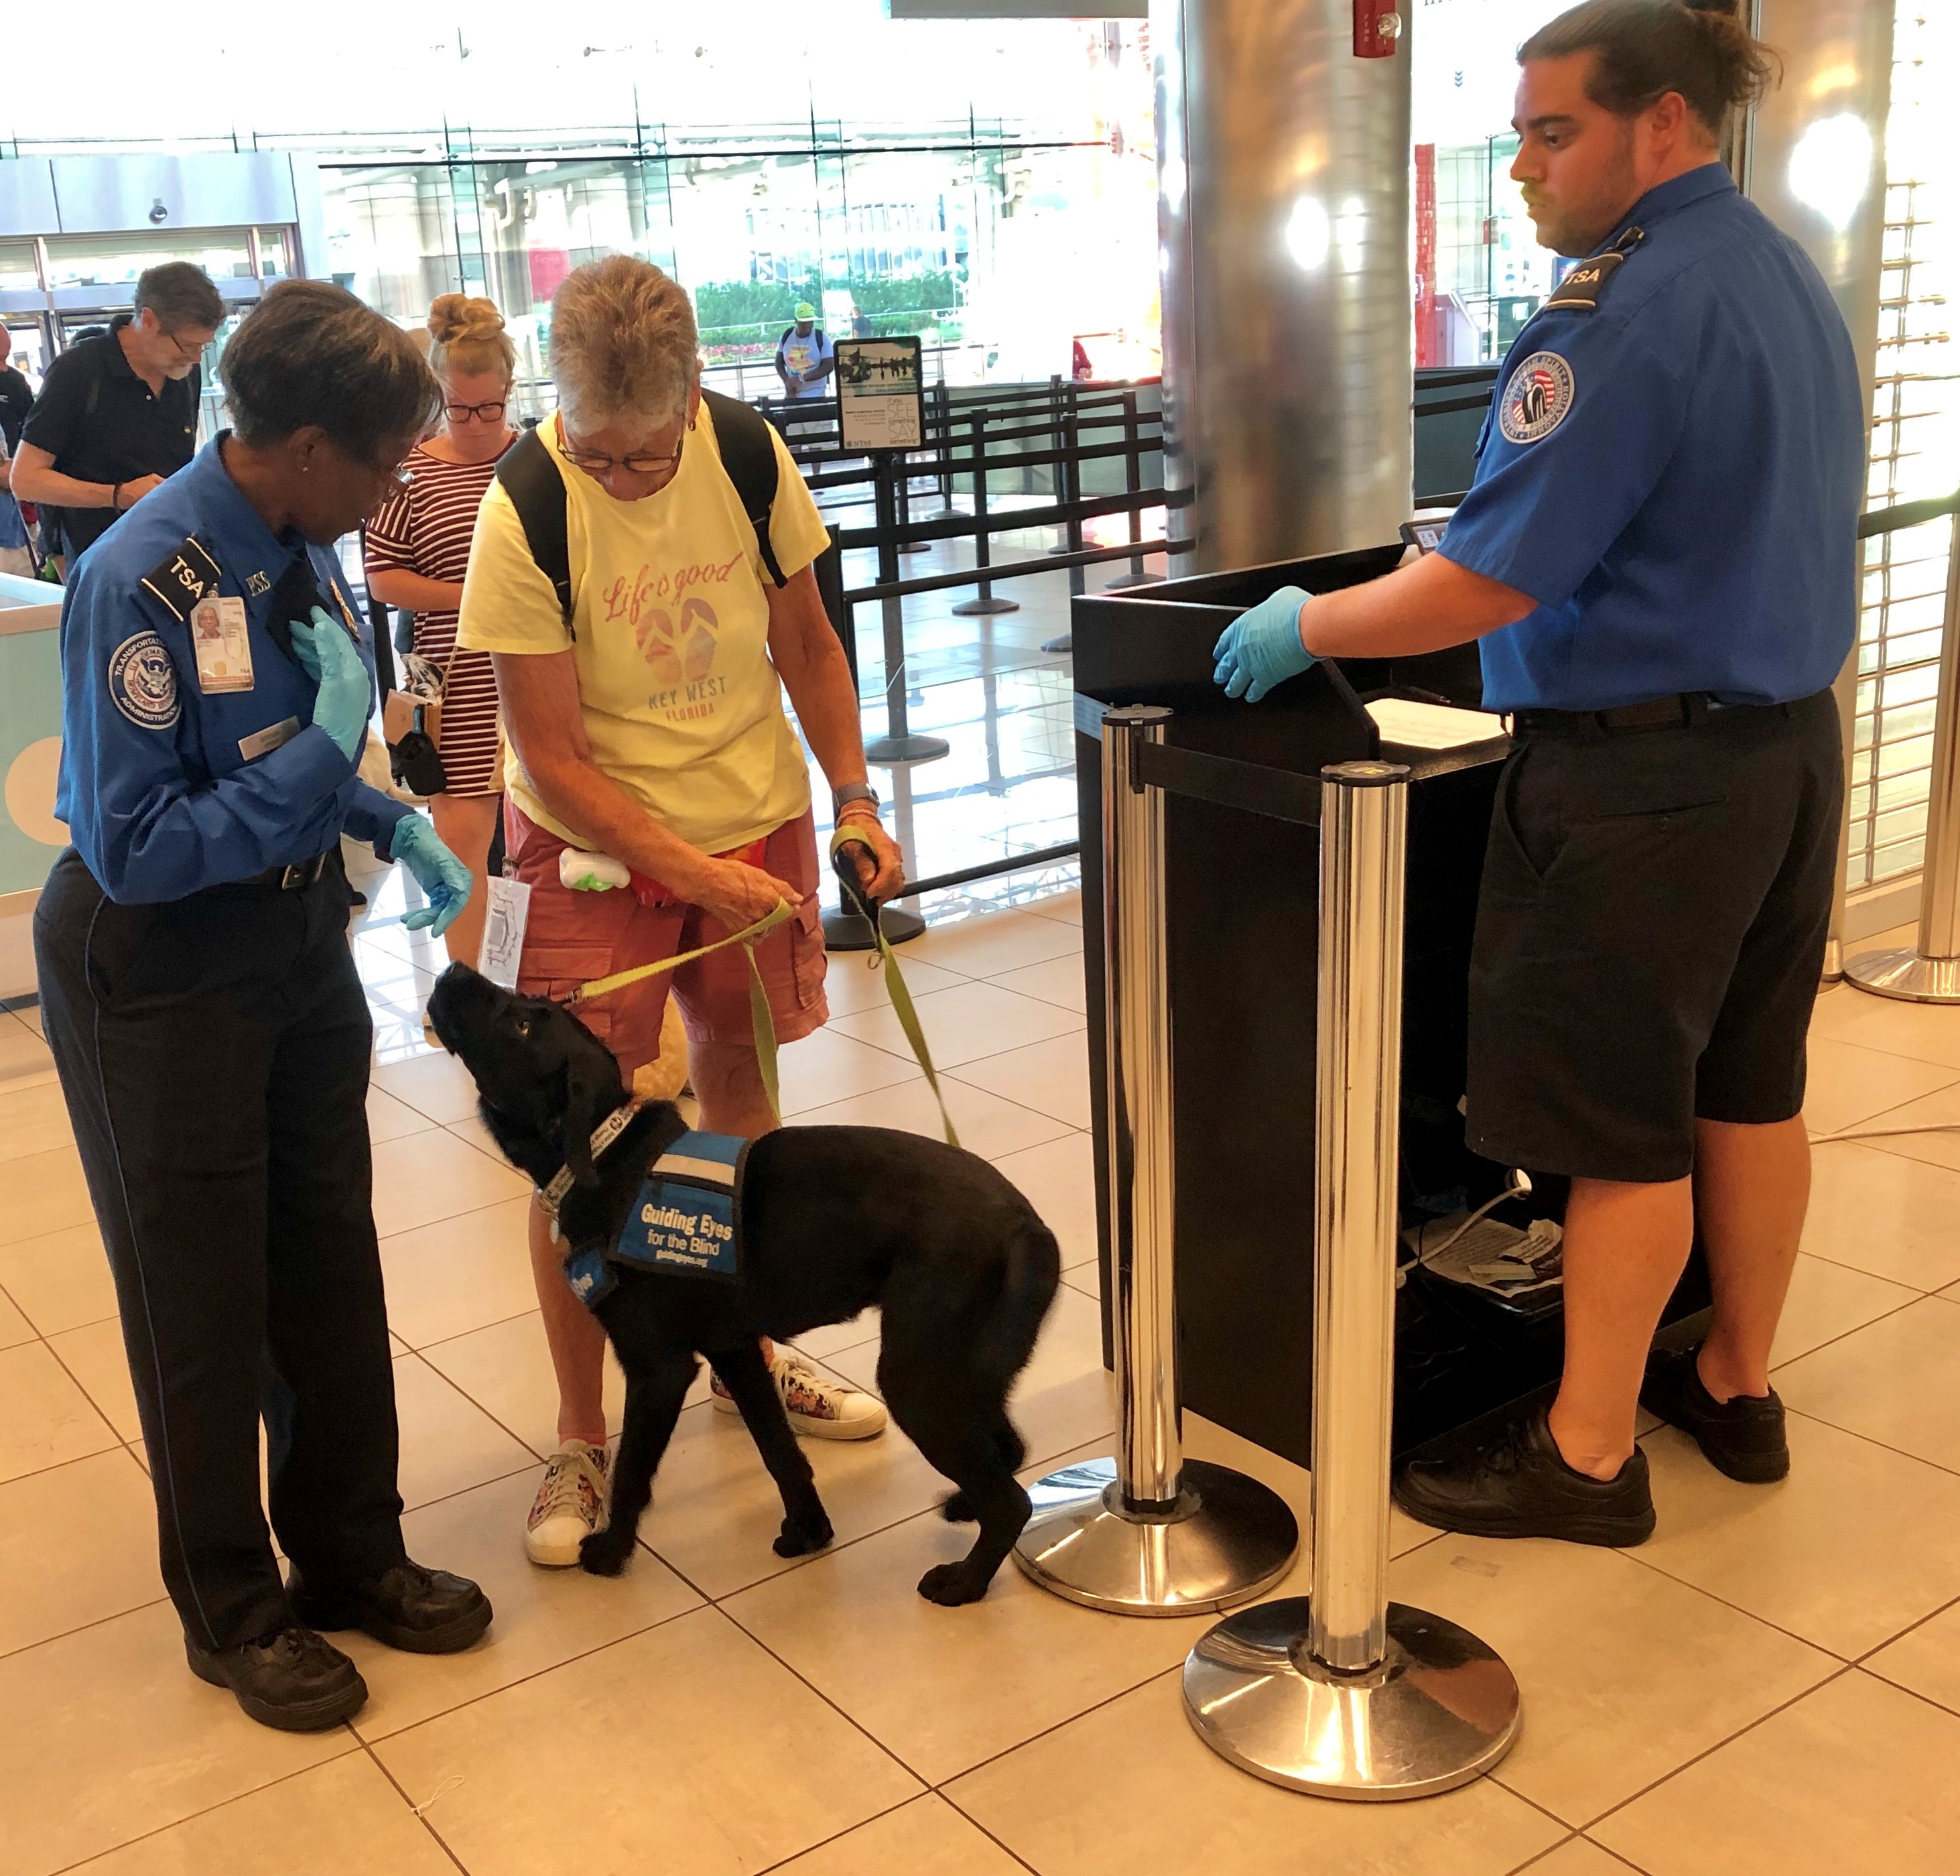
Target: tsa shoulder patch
<point>143,682</point>
<point>687,1218</point>
<point>1536,400</point>
<point>185,575</point>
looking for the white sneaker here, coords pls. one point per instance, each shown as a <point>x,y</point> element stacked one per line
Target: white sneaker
<point>819,1408</point>
<point>570,1506</point>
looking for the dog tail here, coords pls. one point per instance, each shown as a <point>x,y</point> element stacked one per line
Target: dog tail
<point>1006,1338</point>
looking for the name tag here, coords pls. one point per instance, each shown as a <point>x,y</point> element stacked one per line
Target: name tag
<point>263,742</point>
<point>223,644</point>
<point>503,947</point>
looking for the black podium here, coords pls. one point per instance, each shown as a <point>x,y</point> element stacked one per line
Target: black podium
<point>1243,884</point>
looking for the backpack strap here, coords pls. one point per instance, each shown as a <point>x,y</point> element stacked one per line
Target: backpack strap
<point>536,490</point>
<point>749,453</point>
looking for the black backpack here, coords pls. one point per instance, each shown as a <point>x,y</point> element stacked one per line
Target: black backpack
<point>531,479</point>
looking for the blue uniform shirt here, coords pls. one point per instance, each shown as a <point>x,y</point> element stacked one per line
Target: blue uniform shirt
<point>1675,475</point>
<point>165,789</point>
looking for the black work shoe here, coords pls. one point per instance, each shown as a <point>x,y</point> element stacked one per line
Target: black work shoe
<point>1742,1437</point>
<point>293,1679</point>
<point>1516,1484</point>
<point>422,1612</point>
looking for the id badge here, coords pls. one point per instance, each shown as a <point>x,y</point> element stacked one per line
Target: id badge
<point>503,947</point>
<point>223,644</point>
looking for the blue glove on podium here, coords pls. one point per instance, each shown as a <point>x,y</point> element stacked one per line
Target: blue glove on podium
<point>1261,648</point>
<point>437,871</point>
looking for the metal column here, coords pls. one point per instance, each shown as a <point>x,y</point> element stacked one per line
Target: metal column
<point>1148,1533</point>
<point>1344,1693</point>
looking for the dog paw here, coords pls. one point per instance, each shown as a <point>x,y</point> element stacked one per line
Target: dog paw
<point>799,1538</point>
<point>949,1584</point>
<point>958,1509</point>
<point>602,1554</point>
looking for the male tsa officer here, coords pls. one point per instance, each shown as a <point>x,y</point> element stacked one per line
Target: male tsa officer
<point>207,1023</point>
<point>1658,556</point>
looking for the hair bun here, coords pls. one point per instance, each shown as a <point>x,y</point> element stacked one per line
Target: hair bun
<point>455,315</point>
<point>1725,9</point>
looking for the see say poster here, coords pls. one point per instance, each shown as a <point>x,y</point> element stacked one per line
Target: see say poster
<point>880,394</point>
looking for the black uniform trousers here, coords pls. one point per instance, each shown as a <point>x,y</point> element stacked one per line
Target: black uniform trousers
<point>214,1052</point>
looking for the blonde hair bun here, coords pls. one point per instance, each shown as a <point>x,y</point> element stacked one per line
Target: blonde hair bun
<point>466,334</point>
<point>455,315</point>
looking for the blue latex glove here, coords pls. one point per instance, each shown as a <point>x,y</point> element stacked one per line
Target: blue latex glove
<point>1261,648</point>
<point>437,871</point>
<point>346,692</point>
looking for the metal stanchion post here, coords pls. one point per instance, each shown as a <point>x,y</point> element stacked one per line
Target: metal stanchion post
<point>1148,1533</point>
<point>1133,484</point>
<point>1344,1693</point>
<point>1067,480</point>
<point>898,744</point>
<point>985,603</point>
<point>1929,973</point>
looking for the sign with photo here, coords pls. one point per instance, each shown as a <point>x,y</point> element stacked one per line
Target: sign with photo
<point>880,394</point>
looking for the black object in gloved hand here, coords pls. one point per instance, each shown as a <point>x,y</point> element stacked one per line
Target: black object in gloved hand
<point>295,596</point>
<point>415,763</point>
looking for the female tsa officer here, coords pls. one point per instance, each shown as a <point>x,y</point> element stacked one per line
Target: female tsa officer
<point>207,1023</point>
<point>1658,555</point>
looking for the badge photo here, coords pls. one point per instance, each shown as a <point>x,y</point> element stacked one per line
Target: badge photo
<point>1536,400</point>
<point>223,644</point>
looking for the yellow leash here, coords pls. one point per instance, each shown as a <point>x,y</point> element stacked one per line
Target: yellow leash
<point>762,1022</point>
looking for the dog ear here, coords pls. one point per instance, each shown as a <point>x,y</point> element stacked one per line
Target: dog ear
<point>592,1091</point>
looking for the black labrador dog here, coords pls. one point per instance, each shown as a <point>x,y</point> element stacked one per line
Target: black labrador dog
<point>834,1219</point>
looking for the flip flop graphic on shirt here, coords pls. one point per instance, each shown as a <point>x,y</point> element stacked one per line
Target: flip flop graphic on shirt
<point>682,654</point>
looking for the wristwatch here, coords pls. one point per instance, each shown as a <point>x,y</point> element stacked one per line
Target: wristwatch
<point>841,798</point>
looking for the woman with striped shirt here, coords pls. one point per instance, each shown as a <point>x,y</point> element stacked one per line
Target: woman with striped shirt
<point>418,552</point>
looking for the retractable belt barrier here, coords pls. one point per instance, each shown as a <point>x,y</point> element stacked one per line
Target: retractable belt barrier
<point>1341,1692</point>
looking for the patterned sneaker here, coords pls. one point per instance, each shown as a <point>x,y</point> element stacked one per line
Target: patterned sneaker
<point>570,1506</point>
<point>819,1408</point>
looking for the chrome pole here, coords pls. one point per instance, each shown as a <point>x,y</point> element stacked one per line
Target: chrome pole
<point>1147,1533</point>
<point>1344,1693</point>
<point>1930,972</point>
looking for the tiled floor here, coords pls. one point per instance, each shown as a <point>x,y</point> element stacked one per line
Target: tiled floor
<point>1770,1687</point>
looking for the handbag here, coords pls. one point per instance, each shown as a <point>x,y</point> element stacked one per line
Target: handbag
<point>412,725</point>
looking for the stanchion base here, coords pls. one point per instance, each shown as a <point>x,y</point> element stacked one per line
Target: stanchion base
<point>981,608</point>
<point>1230,1538</point>
<point>847,931</point>
<point>1907,975</point>
<point>1055,646</point>
<point>1441,1709</point>
<point>1833,972</point>
<point>897,749</point>
<point>1130,580</point>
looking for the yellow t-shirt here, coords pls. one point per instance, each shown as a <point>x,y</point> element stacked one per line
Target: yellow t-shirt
<point>671,621</point>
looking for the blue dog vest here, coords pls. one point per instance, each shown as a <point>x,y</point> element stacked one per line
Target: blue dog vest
<point>686,1219</point>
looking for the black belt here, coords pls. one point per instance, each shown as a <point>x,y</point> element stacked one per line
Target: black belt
<point>1687,711</point>
<point>294,878</point>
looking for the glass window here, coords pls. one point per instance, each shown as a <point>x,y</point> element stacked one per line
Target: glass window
<point>18,274</point>
<point>113,261</point>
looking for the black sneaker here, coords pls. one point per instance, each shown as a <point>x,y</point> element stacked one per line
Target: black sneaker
<point>1742,1437</point>
<point>1516,1484</point>
<point>422,1612</point>
<point>293,1679</point>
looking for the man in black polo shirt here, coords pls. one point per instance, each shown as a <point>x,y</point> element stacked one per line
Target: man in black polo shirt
<point>118,414</point>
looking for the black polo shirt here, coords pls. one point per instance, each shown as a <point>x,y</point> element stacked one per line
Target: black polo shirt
<point>100,422</point>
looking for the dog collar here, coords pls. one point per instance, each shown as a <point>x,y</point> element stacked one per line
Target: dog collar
<point>607,1131</point>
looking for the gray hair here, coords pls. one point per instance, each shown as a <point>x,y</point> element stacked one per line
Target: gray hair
<point>180,296</point>
<point>623,342</point>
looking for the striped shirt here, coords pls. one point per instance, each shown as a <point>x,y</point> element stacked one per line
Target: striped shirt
<point>425,529</point>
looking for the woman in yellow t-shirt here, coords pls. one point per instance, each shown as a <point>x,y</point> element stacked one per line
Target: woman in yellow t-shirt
<point>651,728</point>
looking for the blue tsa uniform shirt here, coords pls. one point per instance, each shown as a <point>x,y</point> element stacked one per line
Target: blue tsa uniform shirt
<point>189,756</point>
<point>1672,468</point>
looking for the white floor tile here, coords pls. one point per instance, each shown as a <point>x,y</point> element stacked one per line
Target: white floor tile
<point>963,1024</point>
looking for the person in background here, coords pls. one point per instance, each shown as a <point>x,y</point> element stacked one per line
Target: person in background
<point>17,398</point>
<point>805,357</point>
<point>646,723</point>
<point>118,414</point>
<point>17,556</point>
<point>417,552</point>
<point>208,1026</point>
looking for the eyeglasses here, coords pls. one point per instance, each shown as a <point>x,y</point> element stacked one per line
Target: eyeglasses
<point>187,352</point>
<point>400,476</point>
<point>484,413</point>
<point>597,465</point>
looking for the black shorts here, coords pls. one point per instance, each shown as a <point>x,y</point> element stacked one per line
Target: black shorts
<point>1649,937</point>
